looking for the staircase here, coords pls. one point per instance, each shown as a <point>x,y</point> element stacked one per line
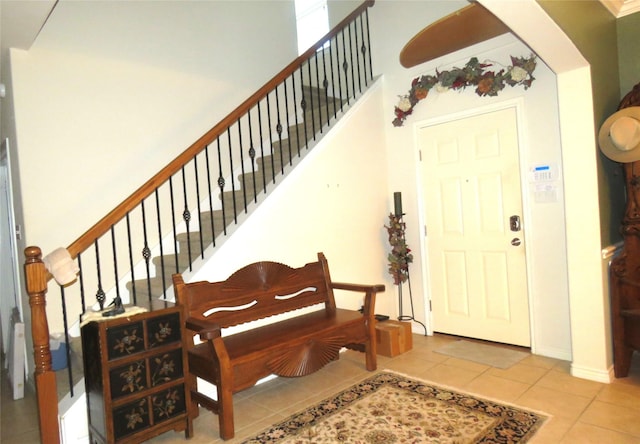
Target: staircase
<point>210,227</point>
<point>213,226</point>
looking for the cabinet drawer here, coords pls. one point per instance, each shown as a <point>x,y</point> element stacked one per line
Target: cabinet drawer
<point>163,330</point>
<point>132,377</point>
<point>168,403</point>
<point>165,367</point>
<point>131,418</point>
<point>135,416</point>
<point>125,340</point>
<point>127,379</point>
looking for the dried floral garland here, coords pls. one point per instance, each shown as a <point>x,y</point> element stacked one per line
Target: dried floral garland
<point>400,256</point>
<point>474,73</point>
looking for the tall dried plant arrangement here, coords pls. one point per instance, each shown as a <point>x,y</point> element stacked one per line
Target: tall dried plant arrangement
<point>400,255</point>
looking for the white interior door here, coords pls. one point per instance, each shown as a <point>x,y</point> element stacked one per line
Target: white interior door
<point>10,298</point>
<point>475,235</point>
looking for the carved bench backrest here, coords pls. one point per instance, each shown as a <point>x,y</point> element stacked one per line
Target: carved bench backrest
<point>257,291</point>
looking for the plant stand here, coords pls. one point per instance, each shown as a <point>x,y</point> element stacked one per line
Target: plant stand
<point>403,317</point>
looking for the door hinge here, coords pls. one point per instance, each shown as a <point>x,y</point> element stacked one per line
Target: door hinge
<point>425,230</point>
<point>430,307</point>
<point>420,155</point>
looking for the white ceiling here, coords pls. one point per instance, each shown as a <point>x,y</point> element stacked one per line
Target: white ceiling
<point>620,8</point>
<point>21,21</point>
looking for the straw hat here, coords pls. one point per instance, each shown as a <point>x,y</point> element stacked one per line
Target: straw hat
<point>620,135</point>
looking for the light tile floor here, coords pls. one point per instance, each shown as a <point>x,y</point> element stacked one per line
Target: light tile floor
<point>582,411</point>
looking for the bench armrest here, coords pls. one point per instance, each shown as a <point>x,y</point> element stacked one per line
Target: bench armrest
<point>369,298</point>
<point>206,330</point>
<point>357,287</point>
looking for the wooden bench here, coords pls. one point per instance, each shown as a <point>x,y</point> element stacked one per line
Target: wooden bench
<point>295,346</point>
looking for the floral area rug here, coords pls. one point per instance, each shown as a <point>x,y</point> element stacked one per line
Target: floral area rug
<point>390,408</point>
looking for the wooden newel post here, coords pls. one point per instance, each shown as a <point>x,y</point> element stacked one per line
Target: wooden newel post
<point>45,379</point>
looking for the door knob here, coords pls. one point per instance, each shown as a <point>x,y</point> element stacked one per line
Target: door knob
<point>515,241</point>
<point>514,222</point>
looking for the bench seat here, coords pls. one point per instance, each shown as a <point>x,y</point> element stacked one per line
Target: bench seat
<point>320,334</point>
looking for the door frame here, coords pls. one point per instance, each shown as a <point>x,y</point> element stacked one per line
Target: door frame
<point>518,105</point>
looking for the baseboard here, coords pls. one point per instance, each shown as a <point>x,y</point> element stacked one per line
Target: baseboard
<point>604,376</point>
<point>16,356</point>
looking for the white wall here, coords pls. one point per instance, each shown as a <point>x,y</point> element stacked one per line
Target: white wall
<point>110,92</point>
<point>591,339</point>
<point>540,143</point>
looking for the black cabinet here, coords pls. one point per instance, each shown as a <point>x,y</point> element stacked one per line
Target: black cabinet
<point>135,371</point>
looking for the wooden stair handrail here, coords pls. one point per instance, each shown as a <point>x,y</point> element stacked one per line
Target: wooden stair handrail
<point>100,228</point>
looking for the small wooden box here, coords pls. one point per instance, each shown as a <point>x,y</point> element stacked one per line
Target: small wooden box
<point>393,337</point>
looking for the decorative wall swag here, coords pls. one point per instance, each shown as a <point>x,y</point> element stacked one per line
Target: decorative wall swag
<point>474,73</point>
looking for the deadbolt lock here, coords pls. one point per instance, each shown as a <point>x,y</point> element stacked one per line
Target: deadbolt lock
<point>514,222</point>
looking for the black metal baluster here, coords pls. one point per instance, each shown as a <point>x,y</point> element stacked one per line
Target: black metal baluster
<point>252,156</point>
<point>318,91</point>
<point>325,85</point>
<point>210,195</point>
<point>303,105</point>
<point>353,80</point>
<point>345,67</point>
<point>65,324</point>
<point>355,24</point>
<point>163,276</point>
<point>286,114</point>
<point>131,267</point>
<point>198,205</point>
<point>279,130</point>
<point>264,171</point>
<point>242,172</point>
<point>82,295</point>
<point>81,284</point>
<point>333,81</point>
<point>173,224</point>
<point>295,112</point>
<point>221,184</point>
<point>273,162</point>
<point>233,182</point>
<point>313,113</point>
<point>186,215</point>
<point>146,251</point>
<point>339,82</point>
<point>100,296</point>
<point>366,14</point>
<point>363,49</point>
<point>115,262</point>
